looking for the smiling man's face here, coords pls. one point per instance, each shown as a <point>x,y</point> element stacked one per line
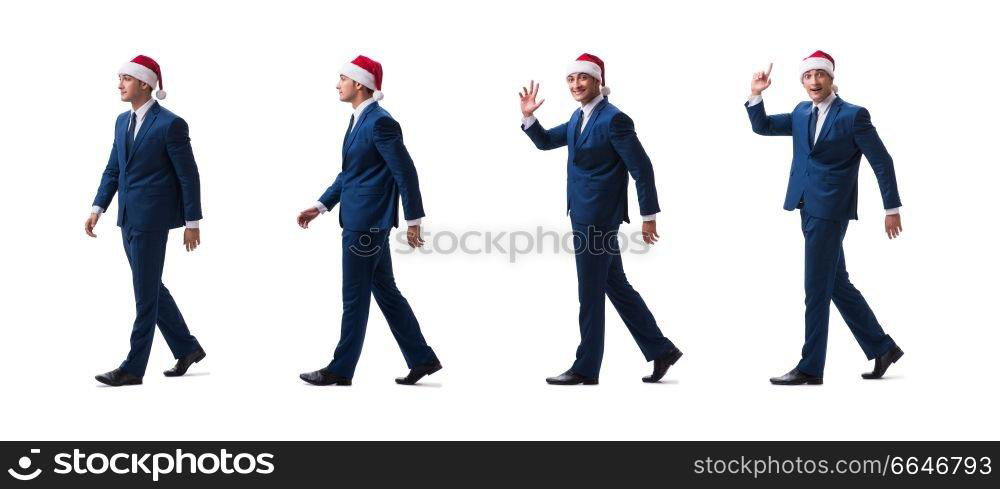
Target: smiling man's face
<point>818,84</point>
<point>583,87</point>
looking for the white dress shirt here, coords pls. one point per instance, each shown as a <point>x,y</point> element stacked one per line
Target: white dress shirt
<point>140,116</point>
<point>587,109</point>
<point>824,109</point>
<point>357,116</point>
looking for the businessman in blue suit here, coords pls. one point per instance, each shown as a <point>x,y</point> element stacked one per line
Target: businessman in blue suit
<point>376,174</point>
<point>829,136</point>
<point>603,151</point>
<point>152,169</point>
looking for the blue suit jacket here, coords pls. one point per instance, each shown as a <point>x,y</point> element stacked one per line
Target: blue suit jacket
<point>600,160</point>
<point>825,177</point>
<point>377,171</point>
<point>158,184</point>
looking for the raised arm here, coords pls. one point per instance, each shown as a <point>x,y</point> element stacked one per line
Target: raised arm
<point>760,122</point>
<point>544,139</point>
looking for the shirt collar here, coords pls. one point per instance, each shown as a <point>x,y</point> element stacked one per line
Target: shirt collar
<point>140,113</point>
<point>826,103</point>
<point>587,109</point>
<point>361,108</point>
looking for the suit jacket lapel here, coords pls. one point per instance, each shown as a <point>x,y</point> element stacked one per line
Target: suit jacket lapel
<point>354,131</point>
<point>590,121</point>
<point>801,124</point>
<point>120,135</point>
<point>147,122</point>
<point>831,115</point>
<point>573,121</point>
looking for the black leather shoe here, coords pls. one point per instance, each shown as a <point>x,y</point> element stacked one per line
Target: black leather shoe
<point>324,377</point>
<point>796,378</point>
<point>416,373</point>
<point>660,366</point>
<point>882,363</point>
<point>570,377</point>
<point>183,364</point>
<point>118,377</point>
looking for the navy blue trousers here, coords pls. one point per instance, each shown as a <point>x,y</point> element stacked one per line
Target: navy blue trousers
<point>153,304</point>
<point>599,274</point>
<point>825,280</point>
<point>367,270</point>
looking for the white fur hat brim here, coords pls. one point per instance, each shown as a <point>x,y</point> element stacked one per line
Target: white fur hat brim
<point>816,63</point>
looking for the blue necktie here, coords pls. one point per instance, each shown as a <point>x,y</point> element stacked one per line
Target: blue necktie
<point>812,126</point>
<point>579,124</point>
<point>130,137</point>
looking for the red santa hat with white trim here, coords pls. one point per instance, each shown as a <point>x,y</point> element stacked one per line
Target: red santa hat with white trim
<point>367,72</point>
<point>817,61</point>
<point>146,70</point>
<point>591,65</point>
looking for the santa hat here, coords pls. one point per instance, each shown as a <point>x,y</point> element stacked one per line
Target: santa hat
<point>146,70</point>
<point>817,61</point>
<point>367,72</point>
<point>591,65</point>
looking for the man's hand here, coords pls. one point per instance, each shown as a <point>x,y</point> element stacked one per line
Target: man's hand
<point>413,236</point>
<point>88,225</point>
<point>893,226</point>
<point>761,80</point>
<point>649,232</point>
<point>306,216</point>
<point>528,104</point>
<point>192,238</point>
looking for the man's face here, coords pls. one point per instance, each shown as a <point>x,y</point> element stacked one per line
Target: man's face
<point>347,88</point>
<point>583,87</point>
<point>818,84</point>
<point>131,88</point>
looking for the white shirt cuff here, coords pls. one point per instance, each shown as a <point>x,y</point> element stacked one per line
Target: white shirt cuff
<point>191,224</point>
<point>415,222</point>
<point>651,217</point>
<point>97,209</point>
<point>890,212</point>
<point>754,100</point>
<point>320,207</point>
<point>528,121</point>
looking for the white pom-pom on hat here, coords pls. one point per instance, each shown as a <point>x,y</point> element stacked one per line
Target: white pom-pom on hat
<point>605,91</point>
<point>160,95</point>
<point>377,95</point>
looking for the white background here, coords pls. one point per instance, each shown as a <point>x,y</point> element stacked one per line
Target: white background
<point>256,83</point>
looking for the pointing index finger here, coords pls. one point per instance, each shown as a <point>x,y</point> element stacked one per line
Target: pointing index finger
<point>769,66</point>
